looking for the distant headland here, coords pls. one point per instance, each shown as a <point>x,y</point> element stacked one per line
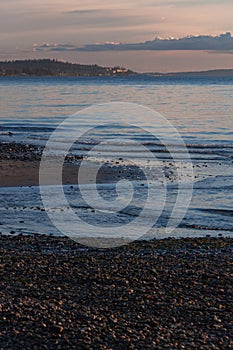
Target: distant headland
<point>49,67</point>
<point>55,68</point>
<point>205,73</point>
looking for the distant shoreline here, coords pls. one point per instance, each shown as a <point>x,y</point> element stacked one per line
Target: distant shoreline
<point>204,73</point>
<point>54,68</point>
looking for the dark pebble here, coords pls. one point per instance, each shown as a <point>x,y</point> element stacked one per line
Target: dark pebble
<point>161,294</point>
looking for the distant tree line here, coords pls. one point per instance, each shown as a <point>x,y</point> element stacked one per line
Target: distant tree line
<point>52,67</point>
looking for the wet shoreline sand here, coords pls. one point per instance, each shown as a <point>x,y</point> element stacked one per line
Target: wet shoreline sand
<point>162,294</point>
<point>20,165</point>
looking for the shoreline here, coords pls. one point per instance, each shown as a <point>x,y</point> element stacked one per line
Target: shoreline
<point>20,163</point>
<point>20,166</point>
<point>171,293</point>
<point>160,294</point>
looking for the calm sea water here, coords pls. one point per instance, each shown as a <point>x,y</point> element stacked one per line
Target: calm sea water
<point>201,109</point>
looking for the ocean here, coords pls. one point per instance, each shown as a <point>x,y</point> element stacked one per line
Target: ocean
<point>200,110</point>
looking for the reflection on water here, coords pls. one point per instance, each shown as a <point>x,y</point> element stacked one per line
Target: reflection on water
<point>199,109</point>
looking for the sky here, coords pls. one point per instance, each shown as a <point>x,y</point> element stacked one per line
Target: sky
<point>80,31</point>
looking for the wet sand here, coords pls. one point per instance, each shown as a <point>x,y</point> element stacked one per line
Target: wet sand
<point>15,173</point>
<point>26,173</point>
<point>20,165</point>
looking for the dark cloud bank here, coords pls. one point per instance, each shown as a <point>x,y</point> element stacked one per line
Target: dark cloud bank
<point>223,42</point>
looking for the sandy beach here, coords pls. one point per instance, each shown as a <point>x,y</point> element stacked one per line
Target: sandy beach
<point>20,165</point>
<point>15,173</point>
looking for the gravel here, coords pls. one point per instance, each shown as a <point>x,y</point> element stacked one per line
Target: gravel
<point>161,294</point>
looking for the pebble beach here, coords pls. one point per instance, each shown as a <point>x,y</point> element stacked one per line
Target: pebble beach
<point>161,294</point>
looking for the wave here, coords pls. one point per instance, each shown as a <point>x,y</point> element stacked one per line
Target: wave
<point>225,212</point>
